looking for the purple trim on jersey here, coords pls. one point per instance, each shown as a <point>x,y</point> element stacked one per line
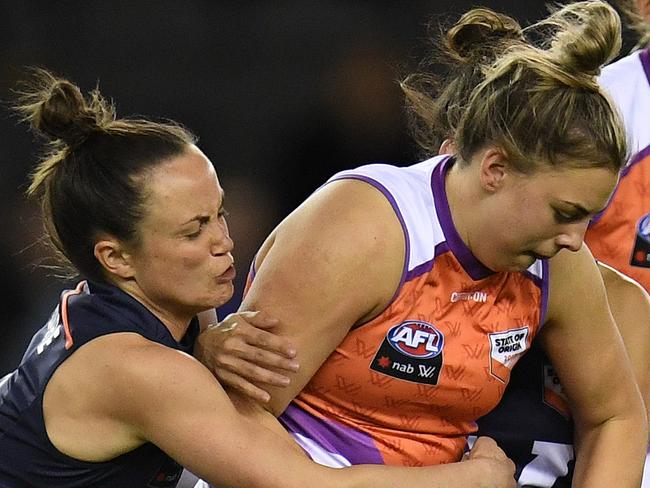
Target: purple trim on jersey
<point>428,266</point>
<point>472,266</point>
<point>356,447</point>
<point>644,56</point>
<point>542,284</point>
<point>641,155</point>
<point>393,204</point>
<point>545,286</point>
<point>637,158</point>
<point>251,270</point>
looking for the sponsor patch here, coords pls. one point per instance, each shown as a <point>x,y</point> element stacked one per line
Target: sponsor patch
<point>411,351</point>
<point>472,296</point>
<point>168,475</point>
<point>505,350</point>
<point>554,396</point>
<point>641,253</point>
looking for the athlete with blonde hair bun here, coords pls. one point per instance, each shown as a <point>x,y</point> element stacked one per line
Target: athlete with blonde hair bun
<point>411,293</point>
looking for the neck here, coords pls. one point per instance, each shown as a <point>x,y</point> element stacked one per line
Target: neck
<point>460,198</point>
<point>176,321</point>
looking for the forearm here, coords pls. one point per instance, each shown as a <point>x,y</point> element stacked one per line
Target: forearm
<point>477,473</point>
<point>611,454</point>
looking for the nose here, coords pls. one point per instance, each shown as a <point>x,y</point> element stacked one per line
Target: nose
<point>220,240</point>
<point>572,236</point>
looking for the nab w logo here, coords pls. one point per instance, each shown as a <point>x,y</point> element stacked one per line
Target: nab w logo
<point>411,351</point>
<point>426,371</point>
<point>416,339</point>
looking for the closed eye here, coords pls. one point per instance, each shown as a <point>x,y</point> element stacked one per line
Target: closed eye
<point>564,218</point>
<point>202,223</point>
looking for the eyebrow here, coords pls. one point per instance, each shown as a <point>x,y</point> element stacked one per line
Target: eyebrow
<point>205,218</point>
<point>580,210</point>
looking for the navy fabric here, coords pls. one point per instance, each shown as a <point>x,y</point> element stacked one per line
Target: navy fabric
<point>532,424</point>
<point>27,457</point>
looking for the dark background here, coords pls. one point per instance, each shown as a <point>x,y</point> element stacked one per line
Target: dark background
<point>281,93</point>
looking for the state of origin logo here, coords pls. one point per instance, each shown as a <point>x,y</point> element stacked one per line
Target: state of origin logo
<point>411,351</point>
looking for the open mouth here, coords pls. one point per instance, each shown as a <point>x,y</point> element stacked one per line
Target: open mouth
<point>228,275</point>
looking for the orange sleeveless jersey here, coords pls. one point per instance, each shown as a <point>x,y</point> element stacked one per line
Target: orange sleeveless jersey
<point>406,387</point>
<point>620,236</point>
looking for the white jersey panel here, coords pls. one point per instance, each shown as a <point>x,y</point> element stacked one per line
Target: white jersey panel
<point>626,82</point>
<point>409,191</point>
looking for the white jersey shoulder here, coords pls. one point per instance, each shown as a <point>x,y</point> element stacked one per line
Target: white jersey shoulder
<point>627,84</point>
<point>409,191</point>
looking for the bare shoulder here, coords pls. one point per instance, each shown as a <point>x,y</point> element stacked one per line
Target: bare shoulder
<point>575,283</point>
<point>116,371</point>
<point>622,288</point>
<point>351,206</point>
<point>97,404</point>
<point>346,234</point>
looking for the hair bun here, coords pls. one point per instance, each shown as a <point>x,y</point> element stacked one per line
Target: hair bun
<point>57,109</point>
<point>588,36</point>
<point>481,34</point>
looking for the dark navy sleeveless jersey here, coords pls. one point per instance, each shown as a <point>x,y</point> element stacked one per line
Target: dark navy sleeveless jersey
<point>27,457</point>
<point>532,424</point>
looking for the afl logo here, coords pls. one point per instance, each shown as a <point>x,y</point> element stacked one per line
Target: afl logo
<point>416,339</point>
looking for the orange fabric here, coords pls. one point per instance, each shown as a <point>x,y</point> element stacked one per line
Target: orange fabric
<point>413,423</point>
<point>69,342</point>
<point>612,238</point>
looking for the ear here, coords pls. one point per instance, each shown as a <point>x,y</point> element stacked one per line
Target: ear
<point>447,147</point>
<point>114,258</point>
<point>494,167</point>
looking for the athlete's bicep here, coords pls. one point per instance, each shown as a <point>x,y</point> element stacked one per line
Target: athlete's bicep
<point>582,341</point>
<point>335,262</point>
<point>630,306</point>
<point>175,403</point>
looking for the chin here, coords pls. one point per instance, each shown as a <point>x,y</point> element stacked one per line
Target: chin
<point>223,295</point>
<point>521,263</point>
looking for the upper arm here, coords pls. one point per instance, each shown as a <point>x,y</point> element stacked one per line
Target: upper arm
<point>176,404</point>
<point>630,306</point>
<point>583,343</point>
<point>333,263</point>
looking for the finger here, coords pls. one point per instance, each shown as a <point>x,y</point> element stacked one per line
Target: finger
<point>251,372</point>
<point>243,386</point>
<point>258,319</point>
<point>271,342</point>
<point>266,359</point>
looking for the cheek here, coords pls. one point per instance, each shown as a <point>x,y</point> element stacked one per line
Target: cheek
<point>193,260</point>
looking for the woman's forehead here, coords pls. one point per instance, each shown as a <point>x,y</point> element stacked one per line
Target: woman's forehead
<point>182,188</point>
<point>586,187</point>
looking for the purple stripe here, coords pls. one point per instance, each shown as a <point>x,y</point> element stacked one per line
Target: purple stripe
<point>642,154</point>
<point>545,285</point>
<point>393,203</point>
<point>645,62</point>
<point>252,271</point>
<point>428,266</point>
<point>472,266</point>
<point>637,158</point>
<point>356,447</point>
<point>541,283</point>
